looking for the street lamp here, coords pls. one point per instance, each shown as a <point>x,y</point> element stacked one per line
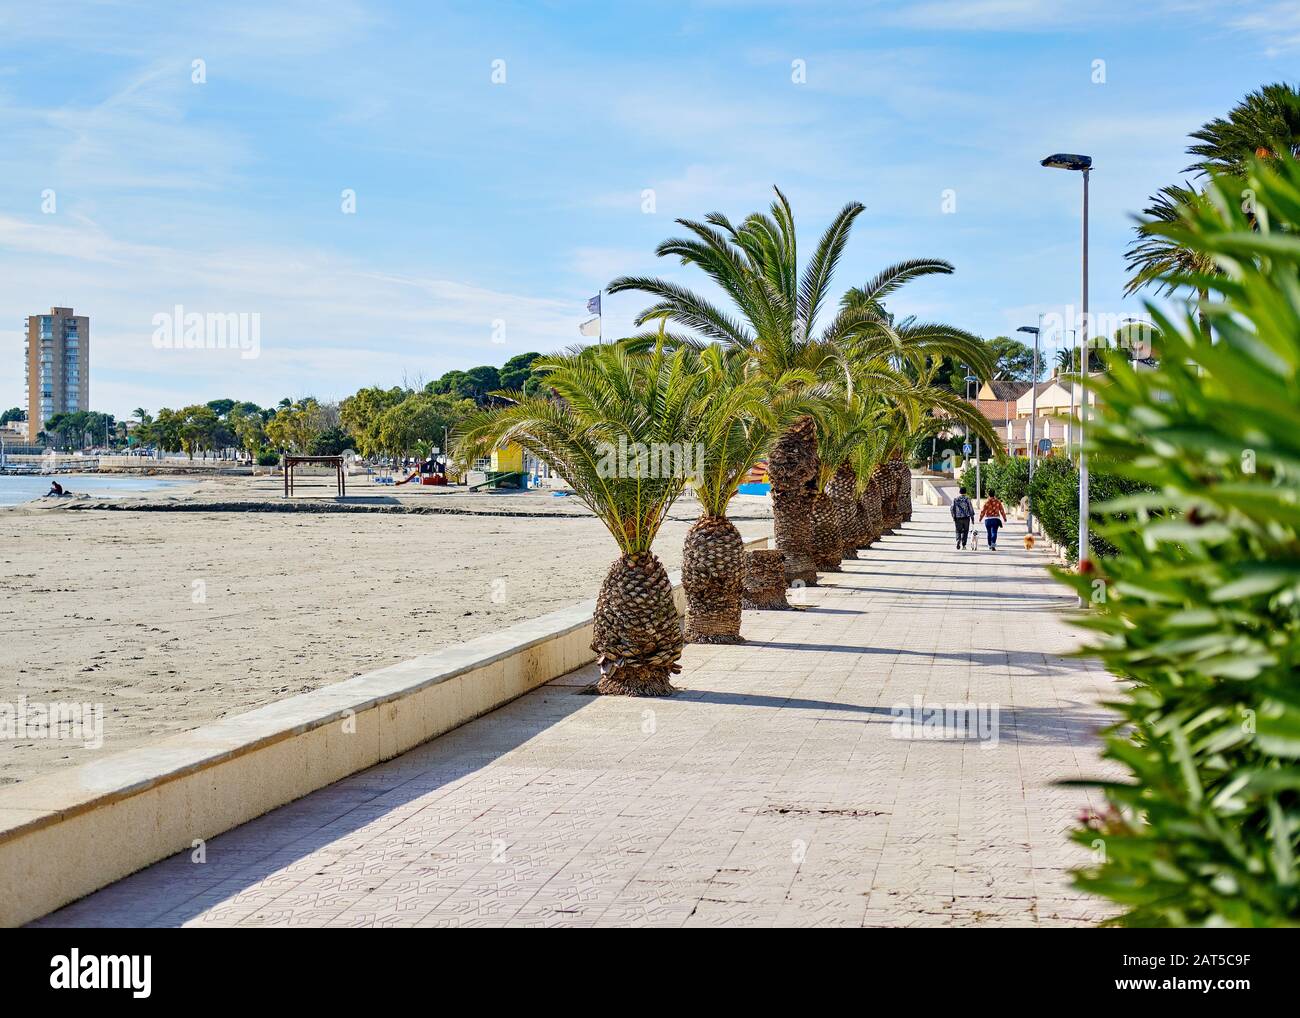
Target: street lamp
<point>971,380</point>
<point>1033,330</point>
<point>1080,164</point>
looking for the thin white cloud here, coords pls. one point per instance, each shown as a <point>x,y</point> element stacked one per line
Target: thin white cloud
<point>326,321</point>
<point>1275,25</point>
<point>988,15</point>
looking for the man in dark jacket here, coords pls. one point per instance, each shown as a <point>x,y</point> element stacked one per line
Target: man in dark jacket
<point>962,514</point>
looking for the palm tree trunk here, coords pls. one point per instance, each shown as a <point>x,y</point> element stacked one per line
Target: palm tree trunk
<point>903,475</point>
<point>637,635</point>
<point>888,495</point>
<point>712,563</point>
<point>843,491</point>
<point>871,509</point>
<point>793,468</point>
<point>764,584</point>
<point>828,542</point>
<point>895,481</point>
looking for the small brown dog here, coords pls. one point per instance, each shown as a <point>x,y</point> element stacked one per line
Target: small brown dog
<point>1029,542</point>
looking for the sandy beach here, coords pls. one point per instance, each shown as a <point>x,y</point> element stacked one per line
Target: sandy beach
<point>173,619</point>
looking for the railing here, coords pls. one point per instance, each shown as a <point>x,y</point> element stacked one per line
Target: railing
<point>46,463</point>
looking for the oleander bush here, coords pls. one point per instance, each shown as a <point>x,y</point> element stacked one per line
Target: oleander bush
<point>1200,608</point>
<point>1055,499</point>
<point>1054,495</point>
<point>1009,477</point>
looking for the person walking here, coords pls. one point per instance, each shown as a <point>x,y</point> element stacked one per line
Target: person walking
<point>994,514</point>
<point>962,515</point>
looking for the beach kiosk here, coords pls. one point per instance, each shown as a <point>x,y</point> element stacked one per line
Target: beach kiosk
<point>506,469</point>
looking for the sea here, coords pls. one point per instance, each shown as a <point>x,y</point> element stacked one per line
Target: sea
<point>16,488</point>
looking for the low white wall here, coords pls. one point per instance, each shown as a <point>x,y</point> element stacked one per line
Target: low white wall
<point>934,490</point>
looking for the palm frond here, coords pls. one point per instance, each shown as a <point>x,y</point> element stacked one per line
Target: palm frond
<point>679,304</point>
<point>817,274</point>
<point>892,278</point>
<point>1157,260</point>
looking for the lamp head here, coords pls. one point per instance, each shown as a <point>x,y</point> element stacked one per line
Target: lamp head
<point>1068,161</point>
<point>1031,329</point>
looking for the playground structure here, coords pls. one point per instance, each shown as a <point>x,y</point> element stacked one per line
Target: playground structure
<point>419,476</point>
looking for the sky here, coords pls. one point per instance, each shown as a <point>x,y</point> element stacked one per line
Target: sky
<point>397,190</point>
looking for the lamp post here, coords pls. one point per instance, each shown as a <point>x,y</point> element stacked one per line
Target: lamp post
<point>971,380</point>
<point>965,442</point>
<point>1035,330</point>
<point>1080,164</point>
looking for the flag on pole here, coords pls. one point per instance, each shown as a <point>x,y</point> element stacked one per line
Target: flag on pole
<point>593,305</point>
<point>590,328</point>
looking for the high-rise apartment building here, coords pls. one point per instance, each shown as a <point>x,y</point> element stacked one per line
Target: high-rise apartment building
<point>57,355</point>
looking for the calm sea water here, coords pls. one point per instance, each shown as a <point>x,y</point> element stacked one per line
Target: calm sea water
<point>20,489</point>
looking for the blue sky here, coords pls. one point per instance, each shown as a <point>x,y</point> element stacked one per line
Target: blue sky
<point>480,203</point>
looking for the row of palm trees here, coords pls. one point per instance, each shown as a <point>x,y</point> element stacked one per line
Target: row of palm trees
<point>830,394</point>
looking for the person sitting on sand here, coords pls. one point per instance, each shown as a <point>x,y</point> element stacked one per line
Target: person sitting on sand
<point>56,490</point>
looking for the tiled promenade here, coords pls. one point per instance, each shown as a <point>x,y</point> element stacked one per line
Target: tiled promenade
<point>774,789</point>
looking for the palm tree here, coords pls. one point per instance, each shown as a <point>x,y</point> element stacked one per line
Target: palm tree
<point>776,312</point>
<point>1153,257</point>
<point>741,418</point>
<point>615,418</point>
<point>864,459</point>
<point>889,471</point>
<point>1157,260</point>
<point>792,468</point>
<point>141,415</point>
<point>837,515</point>
<point>1265,122</point>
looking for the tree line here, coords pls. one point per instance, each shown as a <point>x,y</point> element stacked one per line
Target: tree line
<point>396,422</point>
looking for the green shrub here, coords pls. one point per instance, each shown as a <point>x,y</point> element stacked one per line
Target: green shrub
<point>1054,498</point>
<point>1201,607</point>
<point>989,477</point>
<point>1055,501</point>
<point>267,458</point>
<point>1009,477</point>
